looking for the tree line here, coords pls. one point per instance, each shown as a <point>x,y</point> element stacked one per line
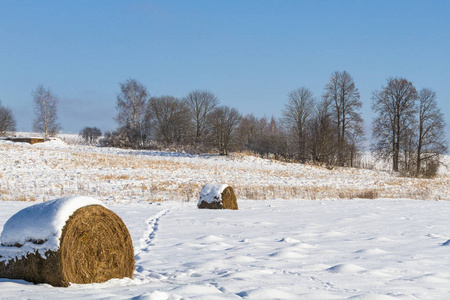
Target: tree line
<point>328,131</point>
<point>409,129</point>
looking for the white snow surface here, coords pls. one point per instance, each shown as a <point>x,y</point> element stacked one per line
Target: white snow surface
<point>40,222</point>
<point>276,249</point>
<point>212,193</point>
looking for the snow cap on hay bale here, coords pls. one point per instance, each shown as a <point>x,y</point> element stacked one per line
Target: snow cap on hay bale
<point>217,196</point>
<point>69,240</point>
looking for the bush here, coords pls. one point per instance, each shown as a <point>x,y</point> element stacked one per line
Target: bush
<point>124,137</point>
<point>91,134</point>
<point>431,168</point>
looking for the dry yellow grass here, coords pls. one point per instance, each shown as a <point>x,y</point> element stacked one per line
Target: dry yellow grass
<point>360,194</point>
<point>23,198</point>
<point>114,177</point>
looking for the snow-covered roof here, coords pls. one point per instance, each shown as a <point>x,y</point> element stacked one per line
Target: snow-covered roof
<point>212,193</point>
<point>41,222</point>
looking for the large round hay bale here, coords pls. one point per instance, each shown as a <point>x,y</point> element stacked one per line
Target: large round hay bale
<point>92,245</point>
<point>217,196</point>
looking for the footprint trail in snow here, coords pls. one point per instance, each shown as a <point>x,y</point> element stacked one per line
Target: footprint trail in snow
<point>152,229</point>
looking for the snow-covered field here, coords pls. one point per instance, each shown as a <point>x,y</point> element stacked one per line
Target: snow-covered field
<point>277,249</point>
<point>322,247</point>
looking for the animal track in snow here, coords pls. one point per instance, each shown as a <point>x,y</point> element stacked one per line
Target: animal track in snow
<point>152,228</point>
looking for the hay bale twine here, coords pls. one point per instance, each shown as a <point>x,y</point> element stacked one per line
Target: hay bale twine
<point>70,240</point>
<point>217,196</point>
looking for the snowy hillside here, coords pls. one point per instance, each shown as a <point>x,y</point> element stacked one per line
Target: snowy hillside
<point>54,169</point>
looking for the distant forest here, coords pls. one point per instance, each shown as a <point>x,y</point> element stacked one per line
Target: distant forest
<point>408,130</point>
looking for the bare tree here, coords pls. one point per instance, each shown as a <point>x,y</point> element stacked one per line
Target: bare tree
<point>396,108</point>
<point>323,133</point>
<point>247,132</point>
<point>262,136</point>
<point>7,121</point>
<point>431,139</point>
<point>355,138</point>
<point>271,139</point>
<point>91,134</point>
<point>344,99</point>
<point>224,122</point>
<point>201,104</point>
<point>169,119</point>
<point>296,114</point>
<point>45,111</point>
<point>131,103</point>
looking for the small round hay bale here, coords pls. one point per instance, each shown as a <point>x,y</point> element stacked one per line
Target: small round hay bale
<point>94,245</point>
<point>217,196</point>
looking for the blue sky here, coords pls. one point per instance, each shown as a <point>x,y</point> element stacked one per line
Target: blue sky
<point>249,53</point>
